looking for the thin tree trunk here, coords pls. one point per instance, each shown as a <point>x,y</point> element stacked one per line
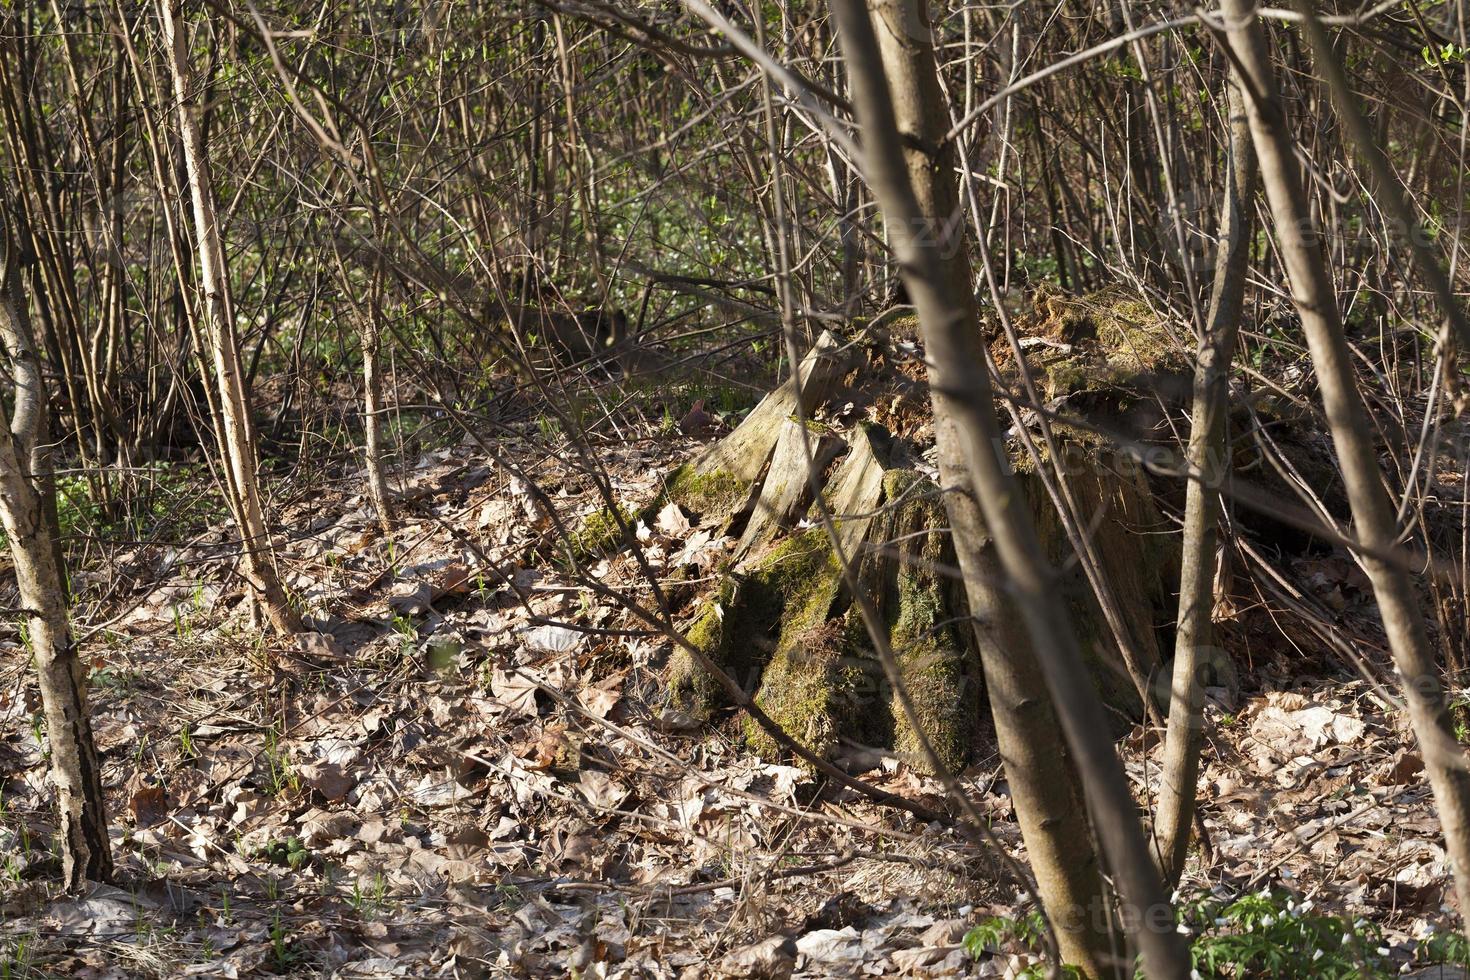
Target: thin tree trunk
<point>1373,515</point>
<point>86,853</point>
<point>912,179</point>
<point>1207,461</point>
<point>238,448</point>
<point>372,422</point>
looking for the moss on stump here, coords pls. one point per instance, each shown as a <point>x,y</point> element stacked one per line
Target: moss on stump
<point>926,614</point>
<point>717,494</point>
<point>787,622</point>
<point>782,623</point>
<point>738,630</point>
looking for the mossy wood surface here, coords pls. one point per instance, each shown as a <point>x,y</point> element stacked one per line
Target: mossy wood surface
<point>787,485</point>
<point>743,454</point>
<point>783,624</point>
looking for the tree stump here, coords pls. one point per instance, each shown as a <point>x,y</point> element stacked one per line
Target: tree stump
<point>783,622</point>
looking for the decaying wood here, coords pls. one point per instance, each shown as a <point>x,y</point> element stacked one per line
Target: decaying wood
<point>857,486</point>
<point>743,454</point>
<point>786,487</point>
<point>813,685</point>
<point>909,161</point>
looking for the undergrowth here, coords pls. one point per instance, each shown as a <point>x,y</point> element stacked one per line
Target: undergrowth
<point>1267,935</point>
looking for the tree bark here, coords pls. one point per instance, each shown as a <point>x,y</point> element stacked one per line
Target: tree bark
<point>372,408</point>
<point>911,167</point>
<point>1208,464</point>
<point>372,424</point>
<point>238,439</point>
<point>86,852</point>
<point>1373,514</point>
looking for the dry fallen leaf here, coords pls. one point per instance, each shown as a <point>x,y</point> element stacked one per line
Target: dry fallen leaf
<point>601,789</point>
<point>672,522</point>
<point>551,638</point>
<point>411,598</point>
<point>773,958</point>
<point>453,580</point>
<point>601,698</point>
<point>148,802</point>
<point>514,690</point>
<point>328,779</point>
<point>323,646</point>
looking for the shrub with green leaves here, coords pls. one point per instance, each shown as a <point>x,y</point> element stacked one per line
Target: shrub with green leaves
<point>1263,936</point>
<point>997,932</point>
<point>1271,935</point>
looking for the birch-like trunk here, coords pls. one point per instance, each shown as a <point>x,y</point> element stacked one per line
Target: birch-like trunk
<point>86,853</point>
<point>238,443</point>
<point>1208,461</point>
<point>372,422</point>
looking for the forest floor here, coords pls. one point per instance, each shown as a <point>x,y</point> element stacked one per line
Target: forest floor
<point>467,771</point>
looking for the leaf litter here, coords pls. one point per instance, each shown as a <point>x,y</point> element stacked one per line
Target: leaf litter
<point>466,769</point>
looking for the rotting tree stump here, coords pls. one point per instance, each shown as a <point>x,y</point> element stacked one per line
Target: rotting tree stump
<point>782,621</point>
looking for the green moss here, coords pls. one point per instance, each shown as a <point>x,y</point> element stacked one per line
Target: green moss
<point>934,650</point>
<point>825,682</point>
<point>905,327</point>
<point>600,532</point>
<point>738,631</point>
<point>810,686</point>
<point>787,622</point>
<point>1115,338</point>
<point>704,493</point>
<point>1066,376</point>
<point>691,688</point>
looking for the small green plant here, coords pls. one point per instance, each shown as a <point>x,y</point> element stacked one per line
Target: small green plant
<point>183,628</point>
<point>408,633</point>
<point>184,614</point>
<point>280,777</point>
<point>373,898</point>
<point>114,680</point>
<point>186,742</point>
<point>1268,935</point>
<point>1446,54</point>
<point>999,931</point>
<point>281,950</point>
<point>1449,948</point>
<point>289,851</point>
<point>508,894</point>
<point>1271,936</point>
<point>17,957</point>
